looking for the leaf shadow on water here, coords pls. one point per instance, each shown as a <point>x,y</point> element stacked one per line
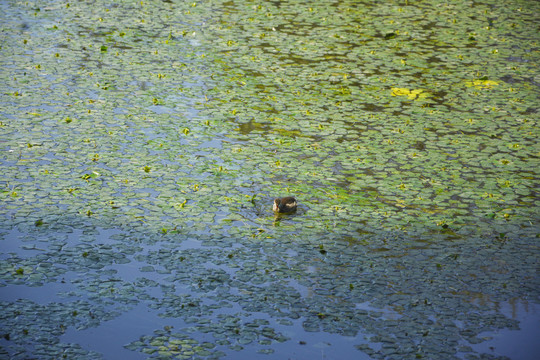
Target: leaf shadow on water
<point>334,292</point>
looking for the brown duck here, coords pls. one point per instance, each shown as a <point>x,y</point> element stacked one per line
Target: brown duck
<point>285,205</point>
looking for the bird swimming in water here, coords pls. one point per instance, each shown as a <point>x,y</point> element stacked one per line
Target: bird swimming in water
<point>285,205</point>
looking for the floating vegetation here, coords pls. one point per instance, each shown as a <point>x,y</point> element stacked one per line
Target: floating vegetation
<point>142,145</point>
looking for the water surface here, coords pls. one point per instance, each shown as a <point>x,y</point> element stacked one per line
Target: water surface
<point>142,144</point>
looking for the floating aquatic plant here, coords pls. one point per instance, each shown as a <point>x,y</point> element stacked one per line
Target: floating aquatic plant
<point>143,144</point>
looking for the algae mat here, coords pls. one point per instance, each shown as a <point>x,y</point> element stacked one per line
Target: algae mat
<point>142,144</point>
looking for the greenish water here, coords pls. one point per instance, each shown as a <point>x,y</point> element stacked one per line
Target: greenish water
<point>142,144</point>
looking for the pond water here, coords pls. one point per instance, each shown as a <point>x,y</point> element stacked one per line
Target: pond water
<point>142,145</point>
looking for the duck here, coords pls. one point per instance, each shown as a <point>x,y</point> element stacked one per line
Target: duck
<point>285,205</point>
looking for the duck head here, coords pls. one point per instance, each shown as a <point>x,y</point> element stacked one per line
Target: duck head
<point>285,205</point>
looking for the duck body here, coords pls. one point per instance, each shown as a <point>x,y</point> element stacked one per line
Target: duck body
<point>285,205</point>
